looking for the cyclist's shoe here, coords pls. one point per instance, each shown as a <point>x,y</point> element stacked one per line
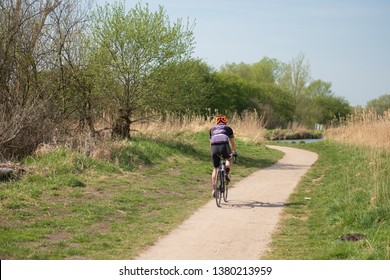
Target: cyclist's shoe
<point>213,193</point>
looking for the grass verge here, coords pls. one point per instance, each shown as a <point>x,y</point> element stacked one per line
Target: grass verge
<point>69,206</point>
<point>347,191</point>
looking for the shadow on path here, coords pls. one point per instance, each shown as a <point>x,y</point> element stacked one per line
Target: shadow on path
<point>236,204</point>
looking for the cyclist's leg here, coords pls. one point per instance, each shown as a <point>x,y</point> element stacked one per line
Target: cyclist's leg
<point>228,157</point>
<point>213,177</point>
<point>215,162</point>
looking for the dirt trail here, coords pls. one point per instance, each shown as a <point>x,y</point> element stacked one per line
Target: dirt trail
<point>240,229</point>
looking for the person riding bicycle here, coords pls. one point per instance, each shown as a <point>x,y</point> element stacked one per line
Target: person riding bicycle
<point>220,136</point>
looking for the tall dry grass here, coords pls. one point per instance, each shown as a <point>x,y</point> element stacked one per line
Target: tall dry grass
<point>365,128</point>
<point>372,131</point>
<point>248,126</point>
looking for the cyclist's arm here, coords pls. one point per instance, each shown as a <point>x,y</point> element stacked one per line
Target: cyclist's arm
<point>233,143</point>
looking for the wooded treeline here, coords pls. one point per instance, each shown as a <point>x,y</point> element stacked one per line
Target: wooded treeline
<point>64,64</point>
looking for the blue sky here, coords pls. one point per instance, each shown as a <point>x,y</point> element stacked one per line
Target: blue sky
<point>346,42</point>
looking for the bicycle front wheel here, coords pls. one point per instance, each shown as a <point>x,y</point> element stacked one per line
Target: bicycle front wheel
<point>225,191</point>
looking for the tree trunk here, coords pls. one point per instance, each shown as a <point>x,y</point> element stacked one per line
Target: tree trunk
<point>121,127</point>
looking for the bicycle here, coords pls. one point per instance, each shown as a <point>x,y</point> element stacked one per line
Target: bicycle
<point>221,181</point>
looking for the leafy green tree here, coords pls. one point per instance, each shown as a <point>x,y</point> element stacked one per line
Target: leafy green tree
<point>319,88</point>
<point>333,108</point>
<point>241,70</point>
<point>294,79</point>
<point>266,71</point>
<point>278,107</point>
<point>259,89</point>
<point>232,94</point>
<point>296,75</point>
<point>236,95</point>
<point>128,47</point>
<point>320,105</point>
<point>181,87</point>
<point>380,104</point>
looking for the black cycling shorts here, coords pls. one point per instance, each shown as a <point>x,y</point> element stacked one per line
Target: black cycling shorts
<point>223,149</point>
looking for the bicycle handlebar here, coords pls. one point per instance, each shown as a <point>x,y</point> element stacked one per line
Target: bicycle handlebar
<point>235,155</point>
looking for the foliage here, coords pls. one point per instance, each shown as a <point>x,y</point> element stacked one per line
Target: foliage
<point>232,94</point>
<point>181,87</point>
<point>380,104</point>
<point>319,105</point>
<point>266,71</point>
<point>235,94</point>
<point>131,45</point>
<point>296,75</point>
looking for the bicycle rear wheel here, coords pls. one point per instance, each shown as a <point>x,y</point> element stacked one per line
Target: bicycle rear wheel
<point>218,188</point>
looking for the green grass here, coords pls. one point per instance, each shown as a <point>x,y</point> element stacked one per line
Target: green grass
<point>69,206</point>
<point>346,191</point>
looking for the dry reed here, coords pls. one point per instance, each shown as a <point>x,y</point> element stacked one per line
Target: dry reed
<point>248,126</point>
<point>372,131</point>
<point>365,128</point>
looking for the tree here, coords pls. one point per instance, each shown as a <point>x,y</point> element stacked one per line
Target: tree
<point>255,86</point>
<point>241,70</point>
<point>278,108</point>
<point>320,105</point>
<point>296,75</point>
<point>236,95</point>
<point>380,104</point>
<point>128,47</point>
<point>40,43</point>
<point>181,87</point>
<point>23,96</point>
<point>67,70</point>
<point>319,88</point>
<point>231,94</point>
<point>294,78</point>
<point>266,71</point>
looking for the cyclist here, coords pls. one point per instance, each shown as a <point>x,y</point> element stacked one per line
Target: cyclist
<point>220,136</point>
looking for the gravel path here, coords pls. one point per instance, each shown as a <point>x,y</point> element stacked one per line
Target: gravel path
<point>242,227</point>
